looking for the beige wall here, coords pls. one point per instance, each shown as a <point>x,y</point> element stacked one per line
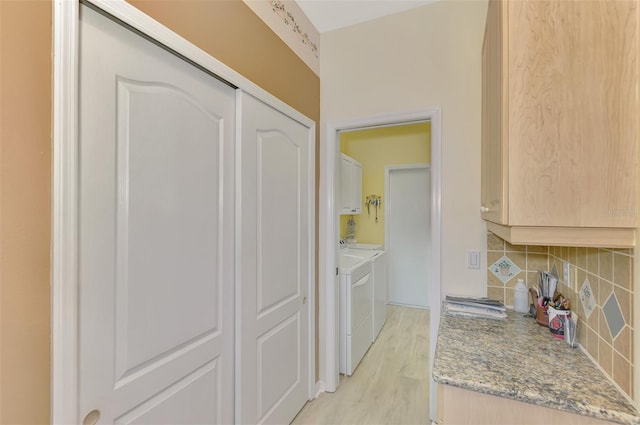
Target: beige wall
<point>426,57</point>
<point>227,29</point>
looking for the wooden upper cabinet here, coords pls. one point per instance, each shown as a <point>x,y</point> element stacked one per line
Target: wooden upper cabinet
<point>560,122</point>
<point>494,160</point>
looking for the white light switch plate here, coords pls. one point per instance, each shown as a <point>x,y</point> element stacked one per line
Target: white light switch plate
<point>473,259</point>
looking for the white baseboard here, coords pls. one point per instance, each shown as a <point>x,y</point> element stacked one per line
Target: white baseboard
<point>320,388</point>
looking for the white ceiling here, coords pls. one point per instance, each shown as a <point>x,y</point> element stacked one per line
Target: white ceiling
<point>328,15</point>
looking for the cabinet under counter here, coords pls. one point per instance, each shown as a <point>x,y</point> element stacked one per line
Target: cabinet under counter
<point>515,372</point>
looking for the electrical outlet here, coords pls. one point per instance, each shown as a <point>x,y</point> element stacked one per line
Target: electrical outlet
<point>566,273</point>
<point>473,259</point>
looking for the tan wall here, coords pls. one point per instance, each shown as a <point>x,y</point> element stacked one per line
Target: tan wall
<point>226,29</point>
<point>232,33</point>
<point>25,181</point>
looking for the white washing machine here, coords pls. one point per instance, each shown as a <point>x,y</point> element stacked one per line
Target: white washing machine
<point>355,310</point>
<point>379,260</point>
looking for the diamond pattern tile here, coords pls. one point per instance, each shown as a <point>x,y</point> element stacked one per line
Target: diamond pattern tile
<point>587,298</point>
<point>505,269</point>
<point>613,315</point>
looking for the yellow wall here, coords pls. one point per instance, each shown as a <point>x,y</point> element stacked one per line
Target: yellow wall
<point>229,30</point>
<point>375,149</point>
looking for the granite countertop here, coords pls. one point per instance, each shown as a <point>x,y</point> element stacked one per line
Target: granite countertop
<point>518,359</point>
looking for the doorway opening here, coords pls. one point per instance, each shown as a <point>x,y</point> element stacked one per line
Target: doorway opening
<point>330,231</point>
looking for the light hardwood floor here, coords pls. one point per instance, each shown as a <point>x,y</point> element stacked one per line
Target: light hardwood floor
<point>391,384</point>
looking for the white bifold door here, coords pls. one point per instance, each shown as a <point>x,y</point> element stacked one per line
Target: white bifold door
<point>273,264</point>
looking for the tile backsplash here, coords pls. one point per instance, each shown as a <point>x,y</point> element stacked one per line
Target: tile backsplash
<point>607,331</point>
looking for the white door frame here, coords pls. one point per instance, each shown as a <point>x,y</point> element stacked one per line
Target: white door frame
<point>64,263</point>
<point>329,232</point>
<point>387,207</point>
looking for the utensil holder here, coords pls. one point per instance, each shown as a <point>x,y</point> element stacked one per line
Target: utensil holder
<point>557,320</point>
<point>542,317</point>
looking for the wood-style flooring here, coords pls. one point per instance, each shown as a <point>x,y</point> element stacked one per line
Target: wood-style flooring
<point>391,384</point>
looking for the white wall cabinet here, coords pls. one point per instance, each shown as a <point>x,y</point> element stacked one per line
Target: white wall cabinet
<point>350,185</point>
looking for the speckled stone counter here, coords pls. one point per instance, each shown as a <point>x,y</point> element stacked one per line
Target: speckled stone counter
<point>520,360</point>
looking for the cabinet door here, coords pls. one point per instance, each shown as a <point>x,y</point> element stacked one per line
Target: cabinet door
<point>573,113</point>
<point>345,185</point>
<point>485,409</point>
<point>356,188</point>
<point>494,147</point>
<point>350,185</point>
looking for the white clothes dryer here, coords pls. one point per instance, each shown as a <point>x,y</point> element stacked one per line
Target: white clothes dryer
<point>355,311</point>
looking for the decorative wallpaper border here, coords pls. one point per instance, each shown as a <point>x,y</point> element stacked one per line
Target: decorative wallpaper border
<point>280,9</point>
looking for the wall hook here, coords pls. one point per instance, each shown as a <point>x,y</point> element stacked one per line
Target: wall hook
<point>373,201</point>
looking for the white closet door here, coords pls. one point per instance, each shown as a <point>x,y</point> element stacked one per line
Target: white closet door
<point>409,241</point>
<point>156,233</point>
<point>273,264</point>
